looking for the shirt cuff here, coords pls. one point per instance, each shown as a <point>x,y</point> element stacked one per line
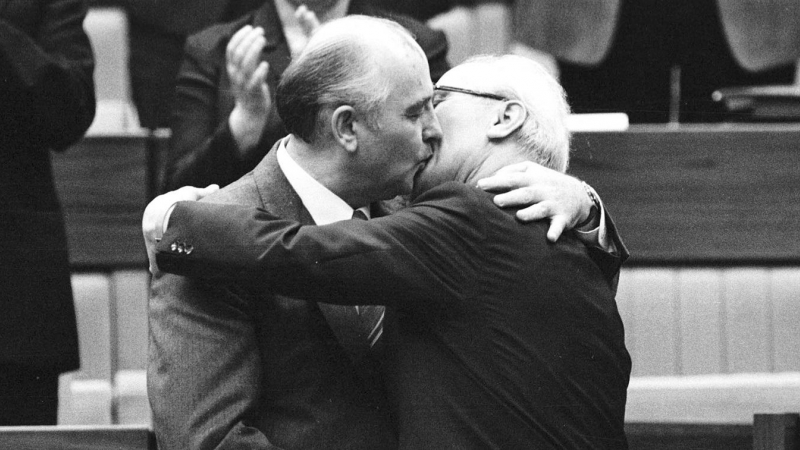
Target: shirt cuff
<point>165,222</point>
<point>598,237</point>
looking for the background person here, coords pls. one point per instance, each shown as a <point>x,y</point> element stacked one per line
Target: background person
<point>224,120</point>
<point>47,103</point>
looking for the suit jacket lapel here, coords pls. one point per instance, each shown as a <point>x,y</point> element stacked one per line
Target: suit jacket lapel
<point>278,197</point>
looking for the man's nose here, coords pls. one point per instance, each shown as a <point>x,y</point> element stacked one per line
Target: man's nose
<point>432,130</point>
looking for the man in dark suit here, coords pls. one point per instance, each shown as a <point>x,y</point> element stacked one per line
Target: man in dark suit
<point>46,103</point>
<point>157,35</point>
<point>504,340</point>
<point>224,120</point>
<point>231,366</point>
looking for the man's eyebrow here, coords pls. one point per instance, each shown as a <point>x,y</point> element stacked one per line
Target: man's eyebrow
<point>419,104</point>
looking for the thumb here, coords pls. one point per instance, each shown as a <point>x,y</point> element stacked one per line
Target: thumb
<point>208,190</point>
<point>308,20</point>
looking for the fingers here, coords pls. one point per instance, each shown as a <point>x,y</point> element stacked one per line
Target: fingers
<point>308,20</point>
<point>519,197</point>
<point>208,190</point>
<point>518,167</point>
<point>557,226</point>
<point>540,211</point>
<point>514,176</point>
<point>504,182</point>
<point>258,81</point>
<point>535,212</point>
<point>243,53</point>
<point>187,193</point>
<point>156,211</point>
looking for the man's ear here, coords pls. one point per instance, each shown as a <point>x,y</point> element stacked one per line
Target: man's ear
<point>509,118</point>
<point>342,126</point>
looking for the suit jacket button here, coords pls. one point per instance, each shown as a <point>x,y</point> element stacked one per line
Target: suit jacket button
<point>174,246</point>
<point>189,248</point>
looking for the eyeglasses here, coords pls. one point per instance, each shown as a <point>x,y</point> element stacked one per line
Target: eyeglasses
<point>470,92</point>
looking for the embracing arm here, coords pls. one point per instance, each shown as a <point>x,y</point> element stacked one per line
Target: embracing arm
<point>47,90</point>
<point>425,254</point>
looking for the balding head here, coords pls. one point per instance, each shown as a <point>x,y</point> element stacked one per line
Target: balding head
<point>343,64</point>
<point>543,137</point>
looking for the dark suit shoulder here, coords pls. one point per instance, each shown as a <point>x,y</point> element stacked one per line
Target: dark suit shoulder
<point>459,196</point>
<point>216,36</point>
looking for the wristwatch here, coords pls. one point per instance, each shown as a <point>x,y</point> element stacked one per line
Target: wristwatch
<point>594,211</point>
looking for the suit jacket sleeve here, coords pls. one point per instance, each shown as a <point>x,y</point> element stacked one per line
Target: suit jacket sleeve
<point>241,243</point>
<point>423,257</point>
<point>46,85</point>
<point>610,263</point>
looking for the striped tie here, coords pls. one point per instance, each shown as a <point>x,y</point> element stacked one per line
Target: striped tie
<point>370,316</point>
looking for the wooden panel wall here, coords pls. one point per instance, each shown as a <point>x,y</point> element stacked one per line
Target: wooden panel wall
<point>724,194</point>
<point>692,321</point>
<point>103,184</point>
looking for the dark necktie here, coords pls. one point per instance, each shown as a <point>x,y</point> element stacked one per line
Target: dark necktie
<point>370,317</point>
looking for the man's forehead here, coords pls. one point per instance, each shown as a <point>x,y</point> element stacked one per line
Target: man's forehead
<point>468,76</point>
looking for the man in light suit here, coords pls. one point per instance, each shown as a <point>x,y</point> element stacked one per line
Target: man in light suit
<point>504,339</point>
<point>232,367</point>
<point>618,55</point>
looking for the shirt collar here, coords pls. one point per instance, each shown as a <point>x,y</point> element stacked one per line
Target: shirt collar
<point>324,206</point>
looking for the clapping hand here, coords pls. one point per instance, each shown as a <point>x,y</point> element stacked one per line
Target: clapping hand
<point>248,76</point>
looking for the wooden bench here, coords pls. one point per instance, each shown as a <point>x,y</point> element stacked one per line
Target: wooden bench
<point>77,437</point>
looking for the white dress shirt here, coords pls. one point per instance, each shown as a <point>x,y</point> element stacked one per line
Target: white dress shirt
<point>324,206</point>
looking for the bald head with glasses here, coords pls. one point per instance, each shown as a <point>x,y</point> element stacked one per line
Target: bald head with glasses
<point>495,111</point>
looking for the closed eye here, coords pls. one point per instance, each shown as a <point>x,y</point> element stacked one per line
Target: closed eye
<point>439,97</point>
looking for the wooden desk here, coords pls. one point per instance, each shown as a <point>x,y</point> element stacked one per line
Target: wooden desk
<point>725,194</point>
<point>116,437</point>
<point>103,183</point>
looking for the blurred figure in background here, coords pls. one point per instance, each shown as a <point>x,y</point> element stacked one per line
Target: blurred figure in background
<point>426,9</point>
<point>46,103</point>
<point>626,55</point>
<point>158,30</point>
<point>224,119</point>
